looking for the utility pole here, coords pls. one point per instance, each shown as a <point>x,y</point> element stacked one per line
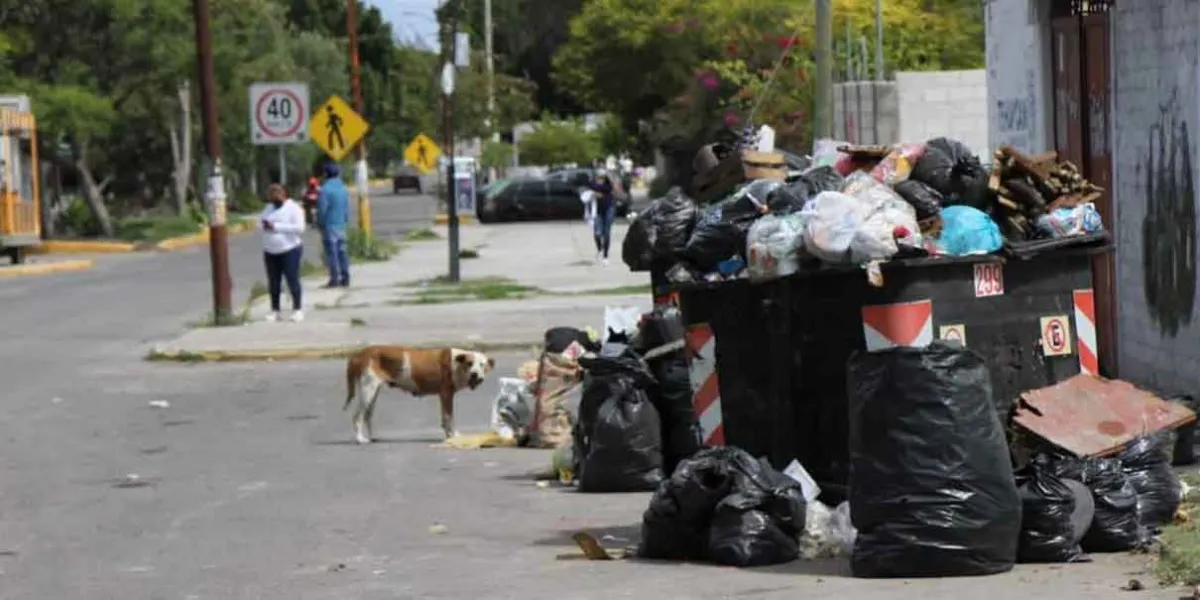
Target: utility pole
<point>878,41</point>
<point>360,169</point>
<point>218,239</point>
<point>823,119</point>
<point>491,69</point>
<point>448,76</point>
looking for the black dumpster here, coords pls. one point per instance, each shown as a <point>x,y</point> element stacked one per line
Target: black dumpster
<point>781,347</point>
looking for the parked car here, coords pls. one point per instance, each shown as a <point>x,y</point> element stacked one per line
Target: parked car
<point>528,199</point>
<point>406,178</point>
<point>583,177</point>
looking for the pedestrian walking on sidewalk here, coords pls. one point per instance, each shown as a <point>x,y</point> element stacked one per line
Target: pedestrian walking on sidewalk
<point>603,213</point>
<point>283,247</point>
<point>333,215</point>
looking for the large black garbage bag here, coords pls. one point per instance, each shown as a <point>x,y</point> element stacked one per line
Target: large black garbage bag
<point>679,524</point>
<point>924,199</point>
<point>931,486</point>
<point>637,249</point>
<point>1115,527</point>
<point>558,339</point>
<point>797,193</point>
<point>721,232</point>
<point>674,217</point>
<point>661,334</point>
<point>621,433</point>
<point>1047,503</point>
<point>760,523</point>
<point>1147,464</point>
<point>950,168</point>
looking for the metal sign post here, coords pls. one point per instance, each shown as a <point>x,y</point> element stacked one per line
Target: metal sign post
<point>278,117</point>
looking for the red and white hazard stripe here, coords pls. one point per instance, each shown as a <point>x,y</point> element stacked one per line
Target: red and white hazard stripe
<point>1085,328</point>
<point>706,392</point>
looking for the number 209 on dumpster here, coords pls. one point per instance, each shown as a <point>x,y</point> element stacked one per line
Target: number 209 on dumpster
<point>989,279</point>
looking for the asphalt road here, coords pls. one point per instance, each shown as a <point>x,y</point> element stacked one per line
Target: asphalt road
<point>134,480</point>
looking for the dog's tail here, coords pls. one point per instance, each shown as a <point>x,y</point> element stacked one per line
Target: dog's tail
<point>351,376</point>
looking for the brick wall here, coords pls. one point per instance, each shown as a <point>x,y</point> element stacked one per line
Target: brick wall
<point>945,103</point>
<point>1156,114</point>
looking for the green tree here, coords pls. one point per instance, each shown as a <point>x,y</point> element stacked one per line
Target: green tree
<point>554,143</point>
<point>496,155</point>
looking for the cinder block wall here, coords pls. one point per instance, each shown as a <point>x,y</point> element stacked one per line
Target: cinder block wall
<point>1018,75</point>
<point>854,112</point>
<point>944,104</point>
<point>1155,127</point>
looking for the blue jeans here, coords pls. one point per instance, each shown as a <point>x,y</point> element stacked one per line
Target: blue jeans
<point>337,259</point>
<point>280,268</point>
<point>602,228</point>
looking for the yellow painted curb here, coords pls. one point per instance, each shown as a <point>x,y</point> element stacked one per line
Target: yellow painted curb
<point>306,353</point>
<point>82,247</point>
<point>443,218</point>
<point>62,266</point>
<point>201,237</point>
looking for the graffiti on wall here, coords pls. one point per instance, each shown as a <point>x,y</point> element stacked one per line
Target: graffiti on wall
<point>1016,117</point>
<point>1169,229</point>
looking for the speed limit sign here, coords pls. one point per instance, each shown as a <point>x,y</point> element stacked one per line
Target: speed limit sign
<point>278,113</point>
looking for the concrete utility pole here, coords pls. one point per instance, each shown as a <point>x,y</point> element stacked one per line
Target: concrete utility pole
<point>878,41</point>
<point>218,240</point>
<point>489,58</point>
<point>448,73</point>
<point>823,119</point>
<point>360,169</point>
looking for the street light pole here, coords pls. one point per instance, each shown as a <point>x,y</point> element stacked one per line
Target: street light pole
<point>491,69</point>
<point>218,240</point>
<point>448,76</point>
<point>360,169</point>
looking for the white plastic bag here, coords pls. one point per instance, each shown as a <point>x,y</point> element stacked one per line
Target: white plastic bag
<point>860,224</point>
<point>828,533</point>
<point>512,411</point>
<point>774,246</point>
<point>832,220</point>
<point>620,320</point>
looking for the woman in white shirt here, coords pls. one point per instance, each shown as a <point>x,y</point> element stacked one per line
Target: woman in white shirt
<point>283,247</point>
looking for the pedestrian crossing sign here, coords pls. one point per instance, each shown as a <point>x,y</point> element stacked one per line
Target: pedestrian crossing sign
<point>423,153</point>
<point>336,128</point>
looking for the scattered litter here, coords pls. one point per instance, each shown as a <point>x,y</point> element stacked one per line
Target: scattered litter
<point>133,480</point>
<point>1134,585</point>
<point>336,568</point>
<point>542,484</point>
<point>475,441</point>
<point>438,529</point>
<point>160,404</point>
<point>591,549</point>
<point>828,533</point>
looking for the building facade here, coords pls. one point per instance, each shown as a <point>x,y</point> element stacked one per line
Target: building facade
<point>1114,86</point>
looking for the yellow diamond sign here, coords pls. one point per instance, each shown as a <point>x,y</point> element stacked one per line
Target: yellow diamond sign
<point>336,128</point>
<point>423,153</point>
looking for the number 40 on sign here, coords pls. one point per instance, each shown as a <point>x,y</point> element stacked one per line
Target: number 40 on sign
<point>989,279</point>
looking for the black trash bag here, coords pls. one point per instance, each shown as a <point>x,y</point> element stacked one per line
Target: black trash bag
<point>760,523</point>
<point>1185,453</point>
<point>721,233</point>
<point>1047,503</point>
<point>622,438</point>
<point>637,249</point>
<point>679,524</point>
<point>1147,464</point>
<point>931,487</point>
<point>798,192</point>
<point>950,168</point>
<point>674,217</point>
<point>662,335</point>
<point>924,199</point>
<point>1115,527</point>
<point>557,339</point>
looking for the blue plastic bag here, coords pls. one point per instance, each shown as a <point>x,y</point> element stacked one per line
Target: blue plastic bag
<point>968,230</point>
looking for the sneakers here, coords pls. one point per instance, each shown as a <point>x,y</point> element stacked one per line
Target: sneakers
<point>272,317</point>
<point>297,316</point>
<point>604,262</point>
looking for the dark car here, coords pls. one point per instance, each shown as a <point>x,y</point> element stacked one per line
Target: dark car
<point>528,199</point>
<point>583,177</point>
<point>406,178</point>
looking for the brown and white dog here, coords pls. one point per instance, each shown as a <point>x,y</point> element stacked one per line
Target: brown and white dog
<point>419,372</point>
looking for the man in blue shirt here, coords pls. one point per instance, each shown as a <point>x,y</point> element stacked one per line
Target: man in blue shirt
<point>333,215</point>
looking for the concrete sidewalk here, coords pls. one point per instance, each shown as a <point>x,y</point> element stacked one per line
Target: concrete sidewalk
<point>526,279</point>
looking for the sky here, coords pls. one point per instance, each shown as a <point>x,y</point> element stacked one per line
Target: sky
<point>412,20</point>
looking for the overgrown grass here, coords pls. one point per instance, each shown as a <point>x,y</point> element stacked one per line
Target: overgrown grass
<point>468,254</point>
<point>231,320</point>
<point>357,322</point>
<point>156,228</point>
<point>310,269</point>
<point>1179,545</point>
<point>422,235</point>
<point>620,290</point>
<point>441,291</point>
<point>181,356</point>
<point>368,248</point>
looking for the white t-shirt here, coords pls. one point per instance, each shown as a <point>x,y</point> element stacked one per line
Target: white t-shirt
<point>288,224</point>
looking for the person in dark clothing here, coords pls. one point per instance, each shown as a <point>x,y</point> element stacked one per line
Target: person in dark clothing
<point>604,212</point>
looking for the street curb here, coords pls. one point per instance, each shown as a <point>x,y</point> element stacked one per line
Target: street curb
<point>443,218</point>
<point>189,356</point>
<point>64,266</point>
<point>111,247</point>
<point>82,247</point>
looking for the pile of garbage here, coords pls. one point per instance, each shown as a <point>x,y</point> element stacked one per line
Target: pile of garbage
<point>856,205</point>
